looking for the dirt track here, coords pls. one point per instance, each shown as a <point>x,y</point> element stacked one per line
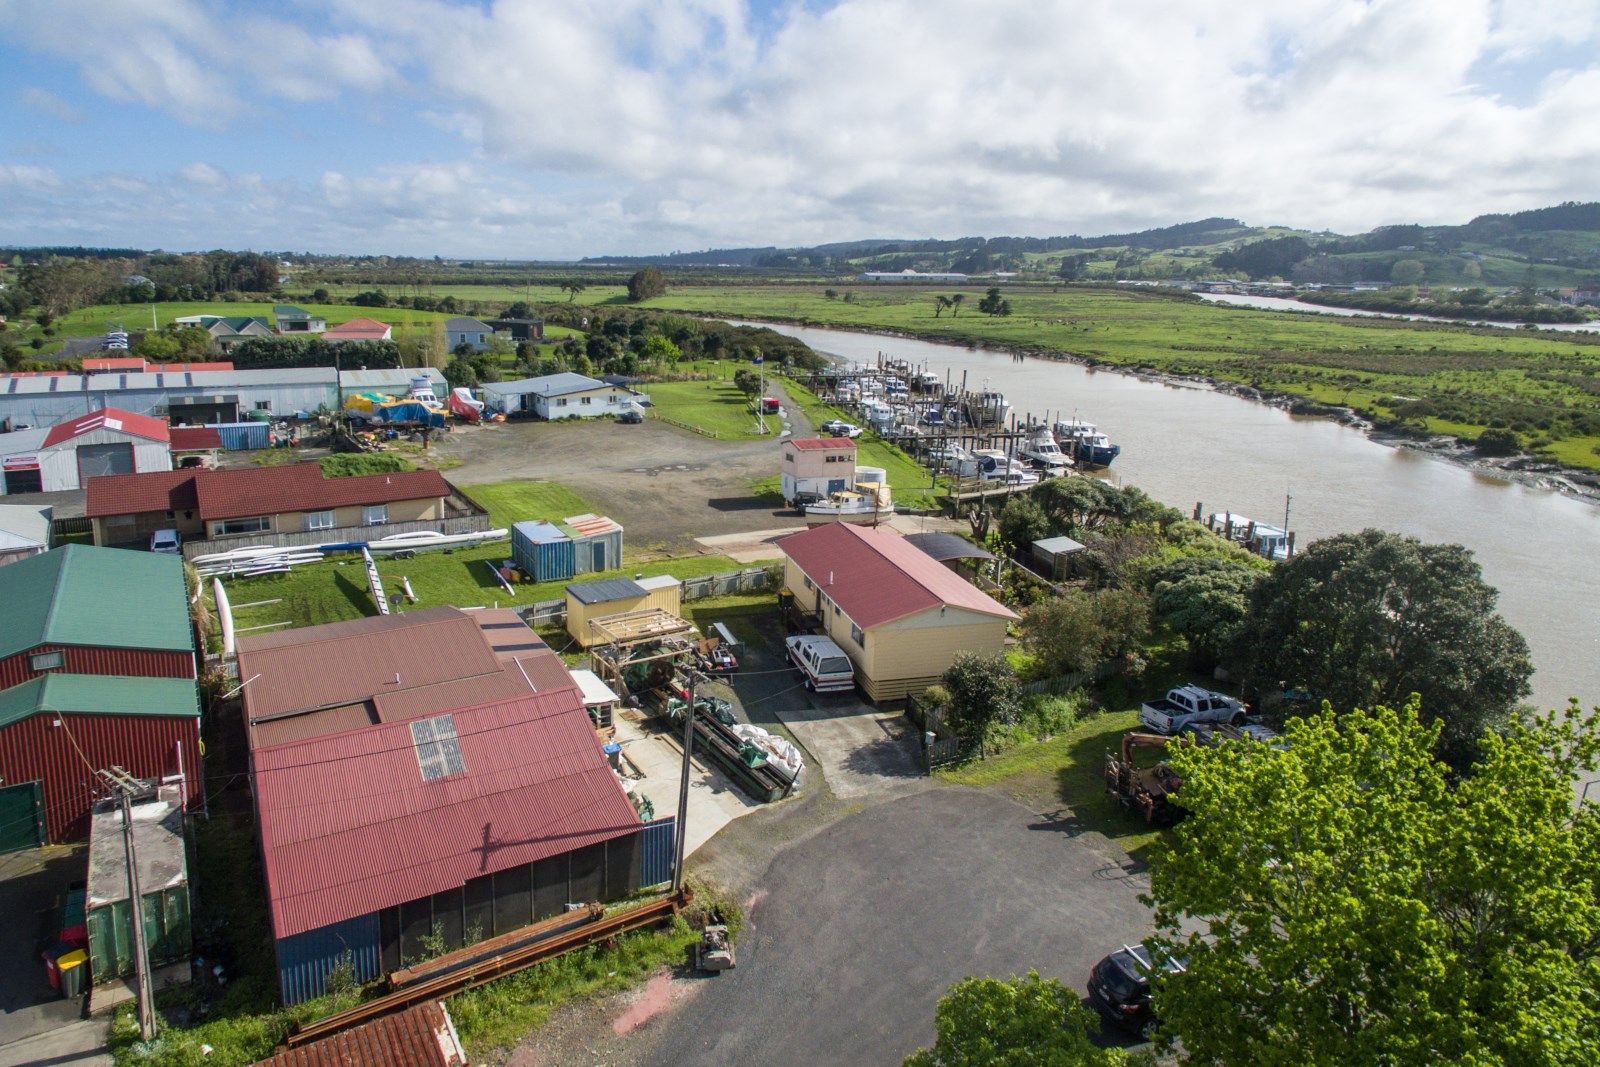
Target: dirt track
<point>666,486</point>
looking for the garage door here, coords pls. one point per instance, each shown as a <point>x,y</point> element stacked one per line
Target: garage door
<point>21,817</point>
<point>24,481</point>
<point>95,460</point>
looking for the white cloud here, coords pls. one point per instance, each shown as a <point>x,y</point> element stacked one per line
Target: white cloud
<point>632,125</point>
<point>51,104</point>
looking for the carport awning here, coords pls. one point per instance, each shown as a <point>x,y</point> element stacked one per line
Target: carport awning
<point>947,546</point>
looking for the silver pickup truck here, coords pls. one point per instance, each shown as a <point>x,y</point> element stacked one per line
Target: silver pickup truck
<point>1190,704</point>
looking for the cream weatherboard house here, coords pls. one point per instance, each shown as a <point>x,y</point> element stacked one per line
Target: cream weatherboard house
<point>900,615</point>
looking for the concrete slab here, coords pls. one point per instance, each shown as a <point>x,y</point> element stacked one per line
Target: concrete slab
<point>714,801</point>
<point>80,1043</point>
<point>861,749</point>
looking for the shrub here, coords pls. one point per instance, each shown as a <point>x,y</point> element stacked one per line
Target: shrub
<point>983,690</point>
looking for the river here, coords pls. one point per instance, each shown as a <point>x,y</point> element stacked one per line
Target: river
<point>1280,303</point>
<point>1184,445</point>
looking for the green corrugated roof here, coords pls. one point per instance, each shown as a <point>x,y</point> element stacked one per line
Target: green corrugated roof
<point>102,597</point>
<point>98,694</point>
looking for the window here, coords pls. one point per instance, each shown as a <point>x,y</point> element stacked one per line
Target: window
<point>561,401</point>
<point>808,583</point>
<point>788,457</point>
<point>586,400</point>
<point>375,514</point>
<point>263,405</point>
<point>319,520</point>
<point>45,661</point>
<point>231,527</point>
<point>857,636</point>
<point>438,749</point>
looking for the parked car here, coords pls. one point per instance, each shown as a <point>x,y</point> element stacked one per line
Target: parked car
<point>823,664</point>
<point>166,541</point>
<point>1190,704</point>
<point>631,416</point>
<point>840,428</point>
<point>1119,988</point>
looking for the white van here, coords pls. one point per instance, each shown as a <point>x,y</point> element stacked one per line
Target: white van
<point>823,663</point>
<point>166,541</point>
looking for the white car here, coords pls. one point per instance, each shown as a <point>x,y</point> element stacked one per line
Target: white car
<point>823,663</point>
<point>840,428</point>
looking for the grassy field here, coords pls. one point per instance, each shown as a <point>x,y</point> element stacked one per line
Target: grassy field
<point>713,406</point>
<point>510,502</point>
<point>1434,377</point>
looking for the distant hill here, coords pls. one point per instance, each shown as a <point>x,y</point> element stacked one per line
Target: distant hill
<point>1545,247</point>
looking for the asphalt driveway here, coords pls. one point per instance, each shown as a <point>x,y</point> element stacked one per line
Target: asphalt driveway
<point>864,925</point>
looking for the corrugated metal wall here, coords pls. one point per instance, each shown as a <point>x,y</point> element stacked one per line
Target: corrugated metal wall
<point>134,662</point>
<point>166,930</point>
<point>589,559</point>
<point>145,746</point>
<point>547,561</point>
<point>304,960</point>
<point>657,851</point>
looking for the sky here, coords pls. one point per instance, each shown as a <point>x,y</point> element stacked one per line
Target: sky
<point>557,130</point>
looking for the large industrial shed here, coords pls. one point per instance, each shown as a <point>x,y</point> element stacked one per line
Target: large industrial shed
<point>430,772</point>
<point>99,641</point>
<point>196,397</point>
<point>899,614</point>
<point>66,455</point>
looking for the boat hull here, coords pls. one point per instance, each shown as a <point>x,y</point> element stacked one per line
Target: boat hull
<point>1097,456</point>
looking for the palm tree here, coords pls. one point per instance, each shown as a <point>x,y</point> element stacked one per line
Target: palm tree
<point>572,289</point>
<point>940,303</point>
<point>955,303</point>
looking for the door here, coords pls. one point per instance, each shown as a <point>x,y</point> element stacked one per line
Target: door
<point>599,556</point>
<point>24,481</point>
<point>21,817</point>
<point>95,460</point>
<point>836,485</point>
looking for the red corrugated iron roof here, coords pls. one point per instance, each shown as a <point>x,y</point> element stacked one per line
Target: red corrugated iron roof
<point>423,1036</point>
<point>591,525</point>
<point>877,577</point>
<point>227,494</point>
<point>349,826</point>
<point>111,419</point>
<point>810,444</point>
<point>359,327</point>
<point>194,438</point>
<point>110,363</point>
<point>129,494</point>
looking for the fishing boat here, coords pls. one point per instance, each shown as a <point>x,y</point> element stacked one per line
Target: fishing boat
<point>868,504</point>
<point>1085,444</point>
<point>995,466</point>
<point>1266,541</point>
<point>1046,454</point>
<point>986,407</point>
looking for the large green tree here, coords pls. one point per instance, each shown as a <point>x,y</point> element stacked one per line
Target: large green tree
<point>1369,618</point>
<point>645,284</point>
<point>1343,901</point>
<point>1080,630</point>
<point>1020,1022</point>
<point>1205,599</point>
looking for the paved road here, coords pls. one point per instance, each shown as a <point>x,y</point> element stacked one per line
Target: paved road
<point>869,921</point>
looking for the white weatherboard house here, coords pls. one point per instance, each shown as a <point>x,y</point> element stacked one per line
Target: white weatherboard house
<point>558,396</point>
<point>468,329</point>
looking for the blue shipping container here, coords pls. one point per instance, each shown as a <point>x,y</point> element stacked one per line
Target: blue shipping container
<point>305,959</point>
<point>542,550</point>
<point>242,436</point>
<point>657,851</point>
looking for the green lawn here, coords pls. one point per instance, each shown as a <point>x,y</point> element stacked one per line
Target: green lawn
<point>713,406</point>
<point>510,502</point>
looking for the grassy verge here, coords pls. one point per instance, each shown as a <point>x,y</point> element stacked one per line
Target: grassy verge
<point>336,590</point>
<point>498,1015</point>
<point>911,482</point>
<point>713,406</point>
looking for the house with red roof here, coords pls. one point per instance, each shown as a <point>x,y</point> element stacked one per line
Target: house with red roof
<point>899,614</point>
<point>359,330</point>
<point>423,777</point>
<point>60,457</point>
<point>293,504</point>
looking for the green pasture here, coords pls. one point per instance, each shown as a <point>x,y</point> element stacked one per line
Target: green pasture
<point>713,406</point>
<point>1543,384</point>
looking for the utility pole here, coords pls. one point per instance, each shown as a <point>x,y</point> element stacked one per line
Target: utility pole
<point>126,786</point>
<point>683,789</point>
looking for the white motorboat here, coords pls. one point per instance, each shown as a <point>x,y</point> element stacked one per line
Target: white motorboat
<point>1046,454</point>
<point>995,466</point>
<point>868,504</point>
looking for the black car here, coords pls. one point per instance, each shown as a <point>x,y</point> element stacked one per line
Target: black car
<point>633,415</point>
<point>1119,989</point>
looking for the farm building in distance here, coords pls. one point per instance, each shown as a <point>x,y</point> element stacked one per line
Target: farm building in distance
<point>66,455</point>
<point>472,794</point>
<point>97,640</point>
<point>899,614</point>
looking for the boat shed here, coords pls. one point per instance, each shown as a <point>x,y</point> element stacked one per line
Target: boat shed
<point>396,380</point>
<point>66,455</point>
<point>1055,554</point>
<point>198,397</point>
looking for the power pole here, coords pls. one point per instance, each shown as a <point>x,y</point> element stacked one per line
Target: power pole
<point>126,786</point>
<point>683,789</point>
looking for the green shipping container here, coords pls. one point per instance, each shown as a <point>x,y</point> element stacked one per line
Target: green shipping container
<point>166,929</point>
